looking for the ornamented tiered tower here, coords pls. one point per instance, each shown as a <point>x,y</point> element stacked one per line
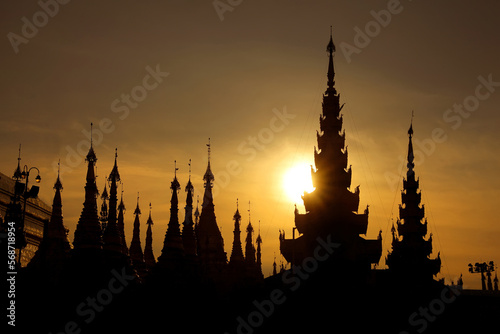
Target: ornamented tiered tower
<point>410,250</point>
<point>332,208</point>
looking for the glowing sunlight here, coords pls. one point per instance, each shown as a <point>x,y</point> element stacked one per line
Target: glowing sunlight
<point>296,180</point>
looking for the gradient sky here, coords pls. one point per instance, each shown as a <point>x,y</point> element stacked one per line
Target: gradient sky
<point>229,79</point>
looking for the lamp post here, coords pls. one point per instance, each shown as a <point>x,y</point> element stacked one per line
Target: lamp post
<point>26,193</point>
<point>482,268</point>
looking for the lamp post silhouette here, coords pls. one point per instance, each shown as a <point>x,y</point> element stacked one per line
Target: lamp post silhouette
<point>483,268</point>
<point>22,189</point>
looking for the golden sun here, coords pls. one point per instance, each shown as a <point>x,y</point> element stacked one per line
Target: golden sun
<point>296,180</point>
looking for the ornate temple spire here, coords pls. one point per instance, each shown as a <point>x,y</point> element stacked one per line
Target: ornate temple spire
<point>88,229</point>
<point>111,236</point>
<point>331,72</point>
<point>209,179</point>
<point>188,235</point>
<point>210,243</point>
<point>121,224</point>
<point>410,250</point>
<point>249,247</point>
<point>237,251</point>
<point>332,207</point>
<point>149,257</point>
<point>410,156</point>
<point>173,248</point>
<point>135,252</point>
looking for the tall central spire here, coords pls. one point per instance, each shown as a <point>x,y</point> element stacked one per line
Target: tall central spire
<point>332,208</point>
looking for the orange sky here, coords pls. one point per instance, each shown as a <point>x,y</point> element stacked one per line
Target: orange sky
<point>234,79</point>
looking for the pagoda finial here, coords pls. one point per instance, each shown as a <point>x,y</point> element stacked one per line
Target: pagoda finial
<point>17,172</point>
<point>208,145</point>
<point>189,164</point>
<point>58,184</point>
<point>410,158</point>
<point>209,176</point>
<point>248,211</point>
<point>91,157</point>
<point>330,48</point>
<point>410,131</point>
<point>137,210</point>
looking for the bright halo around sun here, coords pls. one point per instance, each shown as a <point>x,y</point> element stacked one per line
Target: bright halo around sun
<point>296,180</point>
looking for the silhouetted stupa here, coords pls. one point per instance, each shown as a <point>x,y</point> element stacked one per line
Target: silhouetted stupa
<point>410,250</point>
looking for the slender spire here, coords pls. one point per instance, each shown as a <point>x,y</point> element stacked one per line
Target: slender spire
<point>410,157</point>
<point>259,252</point>
<point>136,254</point>
<point>197,211</point>
<point>209,179</point>
<point>103,214</point>
<point>188,235</point>
<point>237,251</point>
<point>91,157</point>
<point>121,224</point>
<point>331,72</point>
<point>210,243</point>
<point>88,230</point>
<point>111,235</point>
<point>173,249</point>
<point>58,184</point>
<point>149,257</point>
<point>249,247</point>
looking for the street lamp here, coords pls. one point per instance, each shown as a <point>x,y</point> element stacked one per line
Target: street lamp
<point>26,193</point>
